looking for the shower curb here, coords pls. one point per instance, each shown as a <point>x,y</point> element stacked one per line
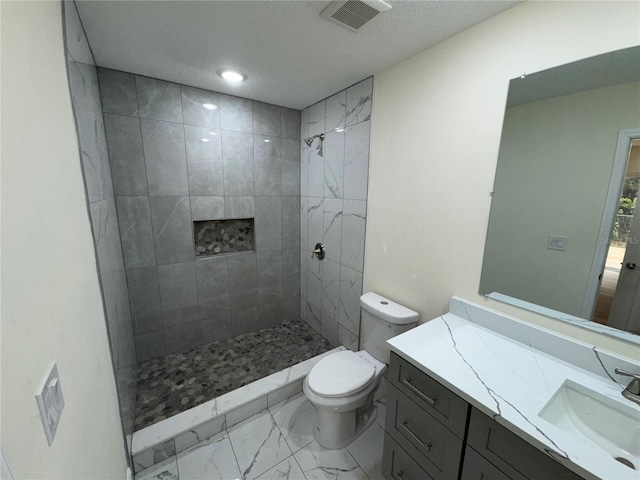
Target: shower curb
<point>157,442</point>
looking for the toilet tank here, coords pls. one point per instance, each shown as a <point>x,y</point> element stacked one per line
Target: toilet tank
<point>382,319</point>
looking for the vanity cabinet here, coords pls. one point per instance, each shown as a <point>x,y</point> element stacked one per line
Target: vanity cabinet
<point>431,433</point>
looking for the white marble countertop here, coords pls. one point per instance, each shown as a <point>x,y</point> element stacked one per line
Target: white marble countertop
<point>509,370</point>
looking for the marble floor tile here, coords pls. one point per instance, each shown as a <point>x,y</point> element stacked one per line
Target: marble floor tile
<point>258,445</point>
<point>318,463</point>
<point>367,451</point>
<point>167,470</point>
<point>287,469</point>
<point>296,417</point>
<point>212,459</point>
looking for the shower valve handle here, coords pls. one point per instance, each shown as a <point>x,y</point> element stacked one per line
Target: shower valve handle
<point>319,251</point>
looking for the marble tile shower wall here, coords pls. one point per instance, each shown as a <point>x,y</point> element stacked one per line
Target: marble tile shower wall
<point>85,96</point>
<point>333,210</point>
<point>180,154</point>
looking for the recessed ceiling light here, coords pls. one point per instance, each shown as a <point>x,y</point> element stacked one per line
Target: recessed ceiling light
<point>213,133</point>
<point>267,140</point>
<point>209,106</point>
<point>205,140</point>
<point>232,75</point>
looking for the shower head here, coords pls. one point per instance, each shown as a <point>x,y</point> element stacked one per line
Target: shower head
<point>310,140</point>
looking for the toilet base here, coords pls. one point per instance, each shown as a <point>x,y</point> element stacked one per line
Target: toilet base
<point>336,430</point>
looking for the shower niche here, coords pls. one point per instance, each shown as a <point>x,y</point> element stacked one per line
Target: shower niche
<point>217,237</point>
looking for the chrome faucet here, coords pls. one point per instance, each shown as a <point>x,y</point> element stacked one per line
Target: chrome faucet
<point>632,392</point>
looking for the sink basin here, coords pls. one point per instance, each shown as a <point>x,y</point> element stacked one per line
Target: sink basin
<point>611,425</point>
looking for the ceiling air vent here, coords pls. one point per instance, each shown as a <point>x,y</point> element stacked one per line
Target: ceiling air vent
<point>353,14</point>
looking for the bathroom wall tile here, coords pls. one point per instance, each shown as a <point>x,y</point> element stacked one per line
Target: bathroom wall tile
<point>317,119</point>
<point>314,282</point>
<point>144,295</point>
<point>356,161</point>
<point>315,216</point>
<point>330,289</point>
<point>168,469</point>
<point>276,396</point>
<point>247,410</point>
<point>158,100</point>
<point>266,119</point>
<point>77,43</point>
<point>182,337</point>
<point>244,320</point>
<point>207,208</point>
<point>315,173</point>
<point>291,272</point>
<point>243,281</point>
<point>124,142</point>
<point>332,228</point>
<point>347,338</point>
<point>116,299</point>
<point>194,111</point>
<point>314,317</point>
<point>118,92</point>
<point>267,164</point>
<point>334,164</point>
<point>268,224</point>
<point>136,232</point>
<point>269,277</point>
<point>304,223</point>
<point>359,101</point>
<point>336,111</point>
<point>304,283</point>
<point>290,120</point>
<point>290,167</point>
<point>237,158</point>
<point>236,114</point>
<point>304,170</point>
<point>304,124</point>
<point>353,233</point>
<point>153,455</point>
<point>239,207</point>
<point>212,275</point>
<point>349,306</point>
<point>149,345</point>
<point>270,315</point>
<point>291,308</point>
<point>164,154</point>
<point>213,458</point>
<point>178,293</point>
<point>290,222</point>
<point>106,235</point>
<point>204,160</point>
<point>329,329</point>
<point>172,229</point>
<point>217,327</point>
<point>81,78</point>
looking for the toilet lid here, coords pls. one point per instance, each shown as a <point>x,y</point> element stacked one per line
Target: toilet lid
<point>340,374</point>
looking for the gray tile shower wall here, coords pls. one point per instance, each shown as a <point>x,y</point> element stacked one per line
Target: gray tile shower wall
<point>180,154</point>
<point>85,96</point>
<point>333,210</point>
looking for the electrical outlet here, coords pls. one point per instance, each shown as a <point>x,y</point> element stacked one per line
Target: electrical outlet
<point>557,243</point>
<point>50,403</point>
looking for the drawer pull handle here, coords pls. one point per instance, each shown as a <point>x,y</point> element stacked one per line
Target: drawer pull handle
<point>409,385</point>
<point>428,446</point>
<point>400,474</point>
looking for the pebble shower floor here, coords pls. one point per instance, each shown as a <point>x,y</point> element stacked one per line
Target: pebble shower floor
<point>177,382</point>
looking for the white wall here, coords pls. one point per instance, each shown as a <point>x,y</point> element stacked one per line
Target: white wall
<point>51,304</point>
<point>436,126</point>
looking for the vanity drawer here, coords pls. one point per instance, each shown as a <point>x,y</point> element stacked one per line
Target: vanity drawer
<point>476,467</point>
<point>436,399</point>
<point>511,454</point>
<point>423,437</point>
<point>398,465</point>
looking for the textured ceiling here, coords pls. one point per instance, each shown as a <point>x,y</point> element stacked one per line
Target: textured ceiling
<point>291,55</point>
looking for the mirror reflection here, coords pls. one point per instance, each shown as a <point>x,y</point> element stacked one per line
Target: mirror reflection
<point>562,234</point>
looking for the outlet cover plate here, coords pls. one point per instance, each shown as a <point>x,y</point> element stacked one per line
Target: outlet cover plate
<point>557,243</point>
<point>50,402</point>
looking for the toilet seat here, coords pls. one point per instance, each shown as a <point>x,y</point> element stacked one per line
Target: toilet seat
<point>340,374</point>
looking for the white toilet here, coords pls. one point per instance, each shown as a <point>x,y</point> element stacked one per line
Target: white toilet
<point>342,385</point>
